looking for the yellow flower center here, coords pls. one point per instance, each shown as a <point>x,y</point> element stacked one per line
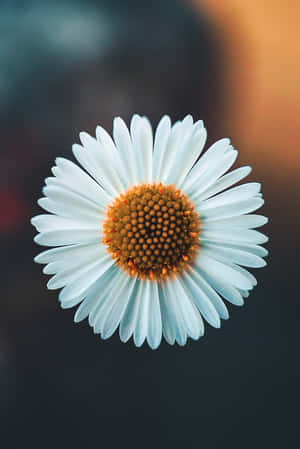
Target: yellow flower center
<point>152,231</point>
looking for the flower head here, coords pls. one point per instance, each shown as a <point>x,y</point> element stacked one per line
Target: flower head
<point>147,237</point>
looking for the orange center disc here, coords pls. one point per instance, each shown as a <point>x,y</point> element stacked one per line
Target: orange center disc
<point>152,231</point>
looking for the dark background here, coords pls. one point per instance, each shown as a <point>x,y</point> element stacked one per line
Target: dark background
<point>65,67</point>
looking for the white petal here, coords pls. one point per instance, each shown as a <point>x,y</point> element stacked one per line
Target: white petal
<point>86,279</point>
<point>232,255</point>
<point>124,145</point>
<point>56,183</point>
<point>65,237</point>
<point>187,123</point>
<point>60,254</point>
<point>135,125</point>
<point>108,292</point>
<point>103,304</point>
<point>173,145</point>
<point>221,271</point>
<point>245,273</point>
<point>166,316</point>
<point>203,303</point>
<point>72,303</point>
<point>141,328</point>
<point>211,294</point>
<point>104,138</point>
<point>52,268</point>
<point>69,211</point>
<point>117,307</point>
<point>187,154</point>
<point>229,292</point>
<point>234,210</point>
<point>206,162</point>
<point>47,222</point>
<point>254,249</point>
<point>62,201</point>
<point>113,156</point>
<point>103,145</point>
<point>234,195</point>
<point>97,289</point>
<point>142,143</point>
<point>191,319</point>
<point>171,308</point>
<point>244,293</point>
<point>128,321</point>
<point>69,268</point>
<point>100,167</point>
<point>160,145</point>
<point>146,149</point>
<point>209,174</point>
<point>221,285</point>
<point>240,222</point>
<point>235,235</point>
<point>154,333</point>
<point>73,177</point>
<point>224,182</point>
<point>69,272</point>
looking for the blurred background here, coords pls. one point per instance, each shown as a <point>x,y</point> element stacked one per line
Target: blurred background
<point>66,66</point>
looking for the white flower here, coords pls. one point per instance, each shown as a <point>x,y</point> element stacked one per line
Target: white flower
<point>148,238</point>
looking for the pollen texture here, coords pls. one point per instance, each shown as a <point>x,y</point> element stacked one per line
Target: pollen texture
<point>152,231</point>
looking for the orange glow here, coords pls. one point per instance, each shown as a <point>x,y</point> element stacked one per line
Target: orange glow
<point>260,47</point>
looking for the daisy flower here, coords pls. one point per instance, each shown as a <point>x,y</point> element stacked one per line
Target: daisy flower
<point>149,237</point>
